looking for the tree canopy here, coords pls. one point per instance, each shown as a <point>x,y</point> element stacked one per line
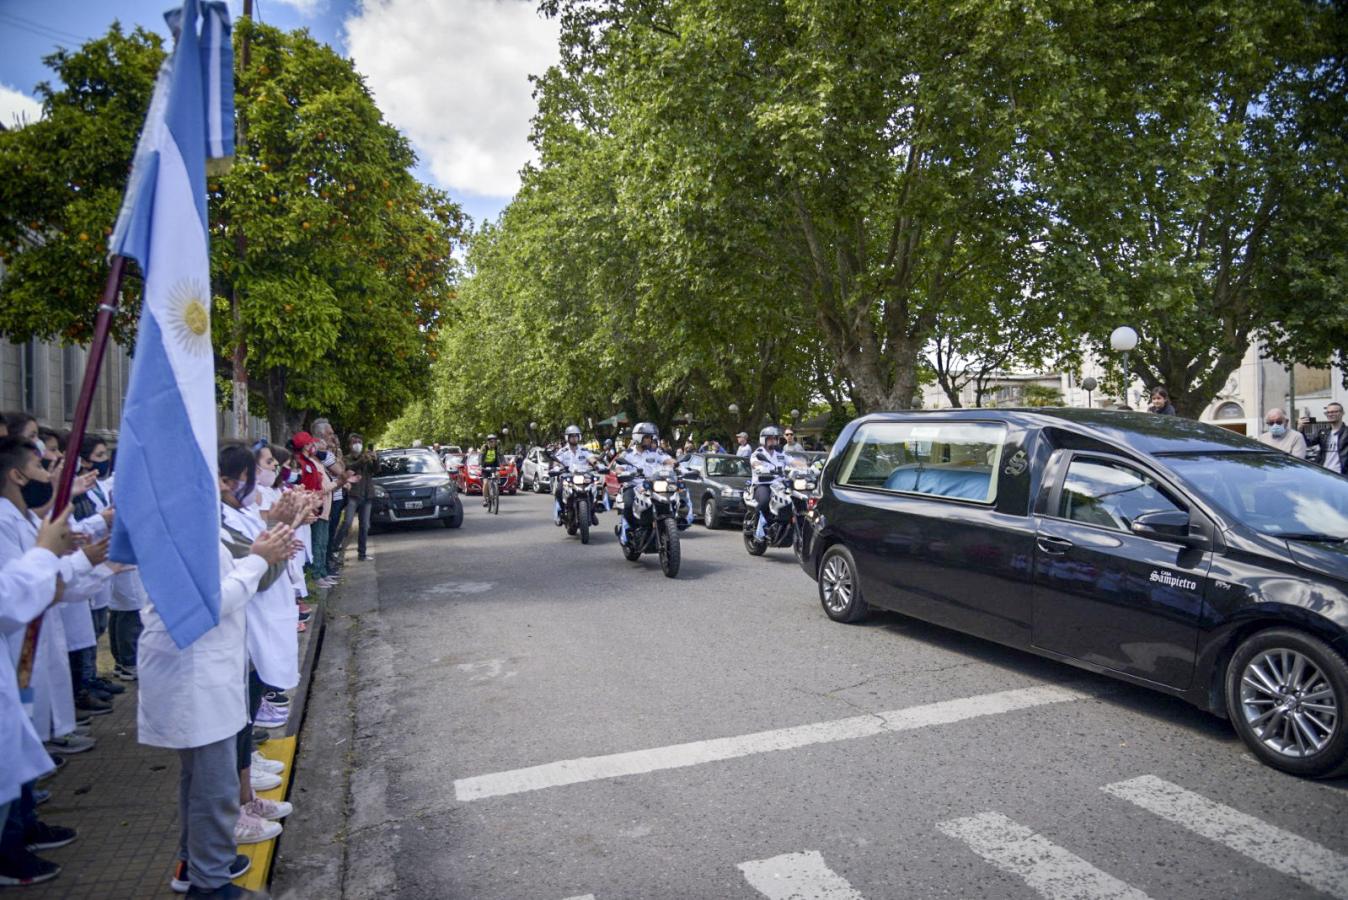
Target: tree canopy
<point>349,263</point>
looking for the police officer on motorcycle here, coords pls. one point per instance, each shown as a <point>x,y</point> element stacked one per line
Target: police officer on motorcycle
<point>644,455</point>
<point>768,463</point>
<point>571,456</point>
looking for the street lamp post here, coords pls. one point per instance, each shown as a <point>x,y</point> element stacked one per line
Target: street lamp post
<point>1088,385</point>
<point>1124,339</point>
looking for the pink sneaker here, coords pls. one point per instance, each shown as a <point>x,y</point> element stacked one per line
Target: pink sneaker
<point>263,808</point>
<point>252,830</point>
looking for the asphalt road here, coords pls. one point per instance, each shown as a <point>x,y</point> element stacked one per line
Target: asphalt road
<point>533,718</point>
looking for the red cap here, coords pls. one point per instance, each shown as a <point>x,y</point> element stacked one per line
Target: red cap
<point>302,439</point>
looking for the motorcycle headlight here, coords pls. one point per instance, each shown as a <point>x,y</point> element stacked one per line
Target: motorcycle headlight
<point>579,479</point>
<point>801,484</point>
<point>661,487</point>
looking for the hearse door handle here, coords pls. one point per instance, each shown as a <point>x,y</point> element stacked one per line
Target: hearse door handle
<point>1054,546</point>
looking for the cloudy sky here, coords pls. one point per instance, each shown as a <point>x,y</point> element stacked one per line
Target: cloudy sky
<point>451,74</point>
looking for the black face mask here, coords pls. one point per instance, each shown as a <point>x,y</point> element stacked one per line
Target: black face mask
<point>102,468</point>
<point>37,493</point>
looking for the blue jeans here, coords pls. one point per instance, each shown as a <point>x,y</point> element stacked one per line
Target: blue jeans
<point>21,815</point>
<point>124,628</point>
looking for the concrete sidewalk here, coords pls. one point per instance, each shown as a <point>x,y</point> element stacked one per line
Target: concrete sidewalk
<point>122,797</point>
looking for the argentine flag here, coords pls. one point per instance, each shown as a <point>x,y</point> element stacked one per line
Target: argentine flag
<point>168,497</point>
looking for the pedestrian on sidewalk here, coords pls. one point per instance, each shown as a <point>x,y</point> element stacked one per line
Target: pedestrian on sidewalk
<point>1331,444</point>
<point>364,465</point>
<point>194,700</point>
<point>1281,436</point>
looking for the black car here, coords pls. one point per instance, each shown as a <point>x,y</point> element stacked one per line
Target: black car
<point>413,486</point>
<point>715,484</point>
<point>1159,550</point>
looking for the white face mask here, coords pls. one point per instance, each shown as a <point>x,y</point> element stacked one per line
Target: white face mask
<point>357,447</point>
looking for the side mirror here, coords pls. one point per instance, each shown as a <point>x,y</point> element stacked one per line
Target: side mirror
<point>1165,525</point>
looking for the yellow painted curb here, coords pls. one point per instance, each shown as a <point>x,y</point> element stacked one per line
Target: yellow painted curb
<point>283,751</point>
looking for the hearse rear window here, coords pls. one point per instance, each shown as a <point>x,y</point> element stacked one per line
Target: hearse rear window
<point>943,459</point>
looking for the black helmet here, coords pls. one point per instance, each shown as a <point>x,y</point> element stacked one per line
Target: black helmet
<point>641,429</point>
<point>770,431</point>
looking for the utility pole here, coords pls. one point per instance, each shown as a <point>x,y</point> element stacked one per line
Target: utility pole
<point>239,376</point>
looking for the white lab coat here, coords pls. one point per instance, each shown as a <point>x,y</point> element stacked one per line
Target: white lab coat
<point>27,585</point>
<point>53,699</point>
<point>295,567</point>
<point>198,695</point>
<point>271,616</point>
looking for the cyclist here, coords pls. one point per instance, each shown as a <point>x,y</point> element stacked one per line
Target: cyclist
<point>490,457</point>
<point>571,456</point>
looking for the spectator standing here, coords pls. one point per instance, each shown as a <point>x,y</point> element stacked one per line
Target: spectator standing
<point>1332,442</point>
<point>743,447</point>
<point>314,477</point>
<point>1160,402</point>
<point>362,463</point>
<point>329,456</point>
<point>792,445</point>
<point>1282,437</point>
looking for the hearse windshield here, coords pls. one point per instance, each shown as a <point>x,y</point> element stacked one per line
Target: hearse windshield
<point>1272,493</point>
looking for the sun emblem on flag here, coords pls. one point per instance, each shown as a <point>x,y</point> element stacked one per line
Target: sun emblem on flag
<point>190,317</point>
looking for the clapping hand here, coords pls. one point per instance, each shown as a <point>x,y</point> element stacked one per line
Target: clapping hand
<point>96,551</point>
<point>55,534</point>
<point>274,544</point>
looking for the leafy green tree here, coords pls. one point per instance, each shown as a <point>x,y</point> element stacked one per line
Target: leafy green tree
<point>1206,207</point>
<point>61,185</point>
<point>349,262</point>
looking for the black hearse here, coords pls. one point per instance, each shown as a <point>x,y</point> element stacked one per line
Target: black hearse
<point>1163,551</point>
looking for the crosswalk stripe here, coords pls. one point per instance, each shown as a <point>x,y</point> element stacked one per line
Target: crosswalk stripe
<point>640,762</point>
<point>1050,870</point>
<point>582,897</point>
<point>1280,850</point>
<point>797,876</point>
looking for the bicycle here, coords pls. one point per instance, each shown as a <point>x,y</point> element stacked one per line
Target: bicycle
<point>492,490</point>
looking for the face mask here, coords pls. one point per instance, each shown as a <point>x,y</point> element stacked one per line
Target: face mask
<point>1277,430</point>
<point>102,468</point>
<point>37,493</point>
<point>357,447</point>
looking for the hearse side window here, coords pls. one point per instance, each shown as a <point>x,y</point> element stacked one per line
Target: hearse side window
<point>1109,494</point>
<point>944,459</point>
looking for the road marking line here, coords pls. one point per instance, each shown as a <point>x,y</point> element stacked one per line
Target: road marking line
<point>676,756</point>
<point>582,897</point>
<point>1283,851</point>
<point>1047,868</point>
<point>797,876</point>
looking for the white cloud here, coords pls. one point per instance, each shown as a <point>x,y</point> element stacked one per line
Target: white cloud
<point>453,75</point>
<point>16,107</point>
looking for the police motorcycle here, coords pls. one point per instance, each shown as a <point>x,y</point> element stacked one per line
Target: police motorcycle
<point>656,501</point>
<point>790,489</point>
<point>582,491</point>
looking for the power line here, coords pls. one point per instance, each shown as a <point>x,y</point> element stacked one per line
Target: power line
<point>21,22</point>
<point>61,42</point>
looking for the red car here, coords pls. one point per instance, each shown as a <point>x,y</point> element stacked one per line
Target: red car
<point>469,475</point>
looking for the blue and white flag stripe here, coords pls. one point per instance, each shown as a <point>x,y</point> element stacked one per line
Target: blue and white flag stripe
<point>168,496</point>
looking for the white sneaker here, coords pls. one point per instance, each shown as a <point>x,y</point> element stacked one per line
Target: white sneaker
<point>268,809</point>
<point>71,743</point>
<point>274,766</point>
<point>263,781</point>
<point>252,830</point>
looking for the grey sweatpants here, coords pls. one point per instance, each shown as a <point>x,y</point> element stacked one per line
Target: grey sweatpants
<point>208,808</point>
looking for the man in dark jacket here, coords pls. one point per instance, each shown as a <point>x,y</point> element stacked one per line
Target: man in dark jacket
<point>361,462</point>
<point>1330,446</point>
